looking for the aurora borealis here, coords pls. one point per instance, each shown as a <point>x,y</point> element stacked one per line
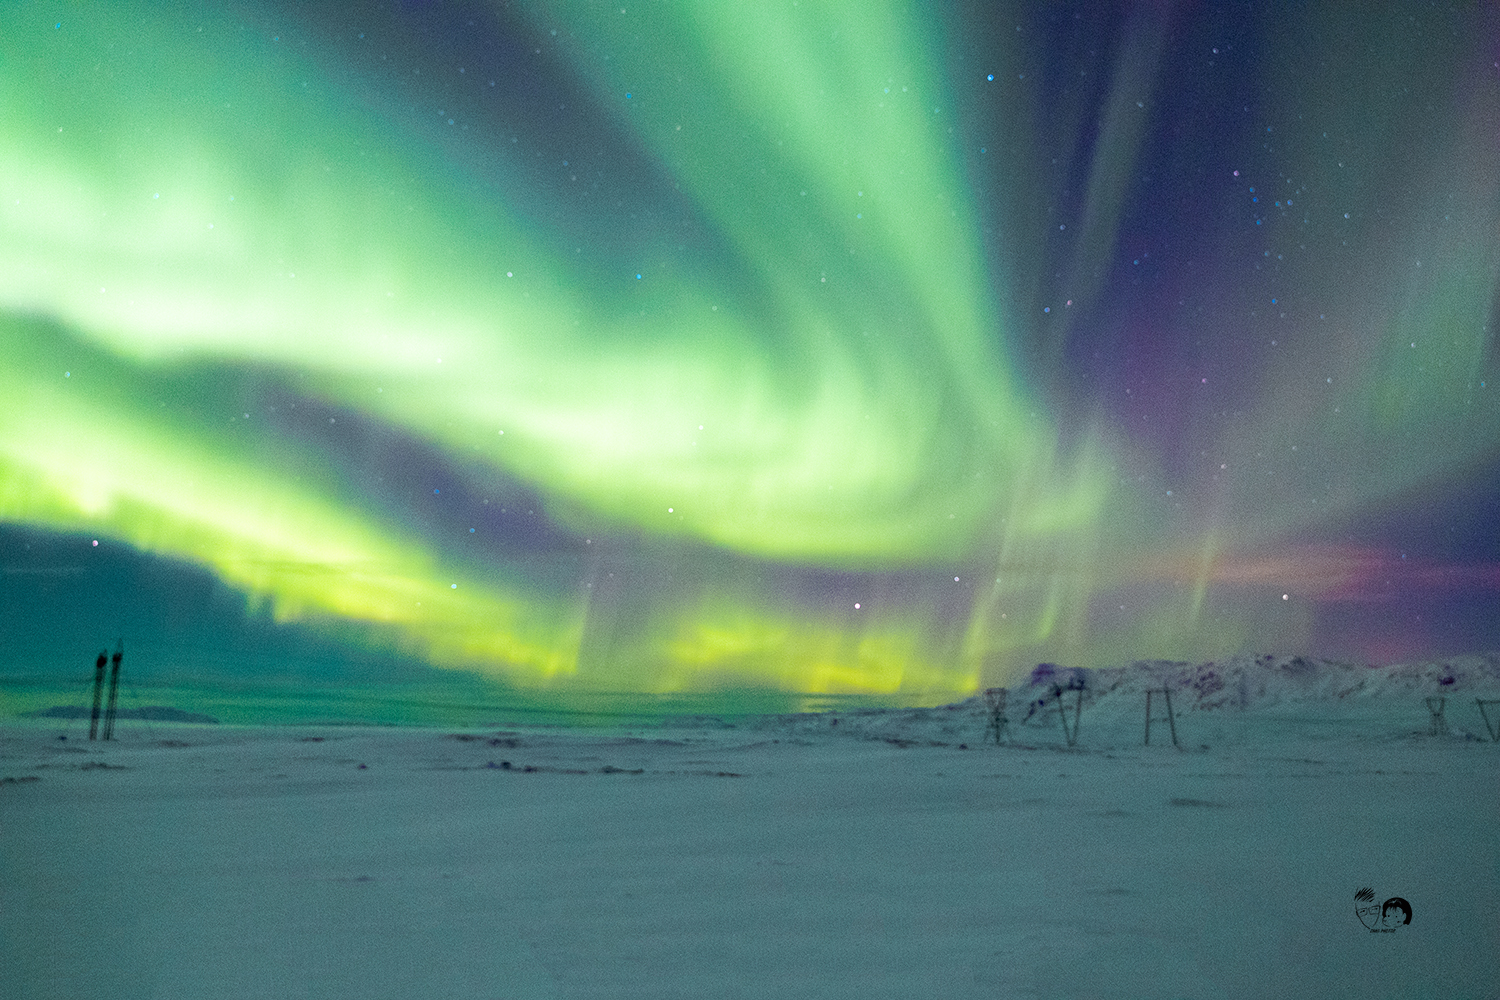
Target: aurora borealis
<point>815,346</point>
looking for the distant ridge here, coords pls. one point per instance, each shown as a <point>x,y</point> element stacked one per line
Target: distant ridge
<point>1254,681</point>
<point>150,713</point>
<point>1385,702</point>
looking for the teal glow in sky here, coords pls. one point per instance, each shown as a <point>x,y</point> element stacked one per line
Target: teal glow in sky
<point>814,346</point>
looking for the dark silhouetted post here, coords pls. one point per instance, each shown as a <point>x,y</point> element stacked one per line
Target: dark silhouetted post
<point>1493,731</point>
<point>1076,684</point>
<point>1171,718</point>
<point>1439,724</point>
<point>98,692</point>
<point>114,690</point>
<point>994,699</point>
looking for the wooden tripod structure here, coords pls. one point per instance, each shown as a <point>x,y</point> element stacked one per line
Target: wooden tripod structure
<point>1070,735</point>
<point>998,728</point>
<point>1439,724</point>
<point>1493,730</point>
<point>1171,718</point>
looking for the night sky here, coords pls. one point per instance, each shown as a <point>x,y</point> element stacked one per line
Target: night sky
<point>857,347</point>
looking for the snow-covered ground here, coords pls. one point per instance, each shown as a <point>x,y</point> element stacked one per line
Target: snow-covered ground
<point>864,855</point>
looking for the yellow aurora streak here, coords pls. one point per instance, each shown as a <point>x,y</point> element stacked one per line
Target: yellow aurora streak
<point>193,202</point>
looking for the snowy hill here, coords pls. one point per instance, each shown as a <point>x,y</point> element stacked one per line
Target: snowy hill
<point>1233,701</point>
<point>1246,682</point>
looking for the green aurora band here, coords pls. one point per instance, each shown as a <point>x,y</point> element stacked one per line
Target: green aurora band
<point>838,388</point>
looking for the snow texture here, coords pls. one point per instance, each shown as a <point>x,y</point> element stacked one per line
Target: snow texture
<point>882,854</point>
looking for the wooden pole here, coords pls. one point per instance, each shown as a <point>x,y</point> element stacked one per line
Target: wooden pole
<point>1171,716</point>
<point>1493,731</point>
<point>1070,736</point>
<point>1062,713</point>
<point>98,692</point>
<point>114,690</point>
<point>1439,724</point>
<point>1077,714</point>
<point>995,699</point>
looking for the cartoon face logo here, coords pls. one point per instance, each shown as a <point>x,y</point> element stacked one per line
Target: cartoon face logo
<point>1395,912</point>
<point>1381,917</point>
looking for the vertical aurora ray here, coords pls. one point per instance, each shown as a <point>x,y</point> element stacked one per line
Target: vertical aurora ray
<point>728,301</point>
